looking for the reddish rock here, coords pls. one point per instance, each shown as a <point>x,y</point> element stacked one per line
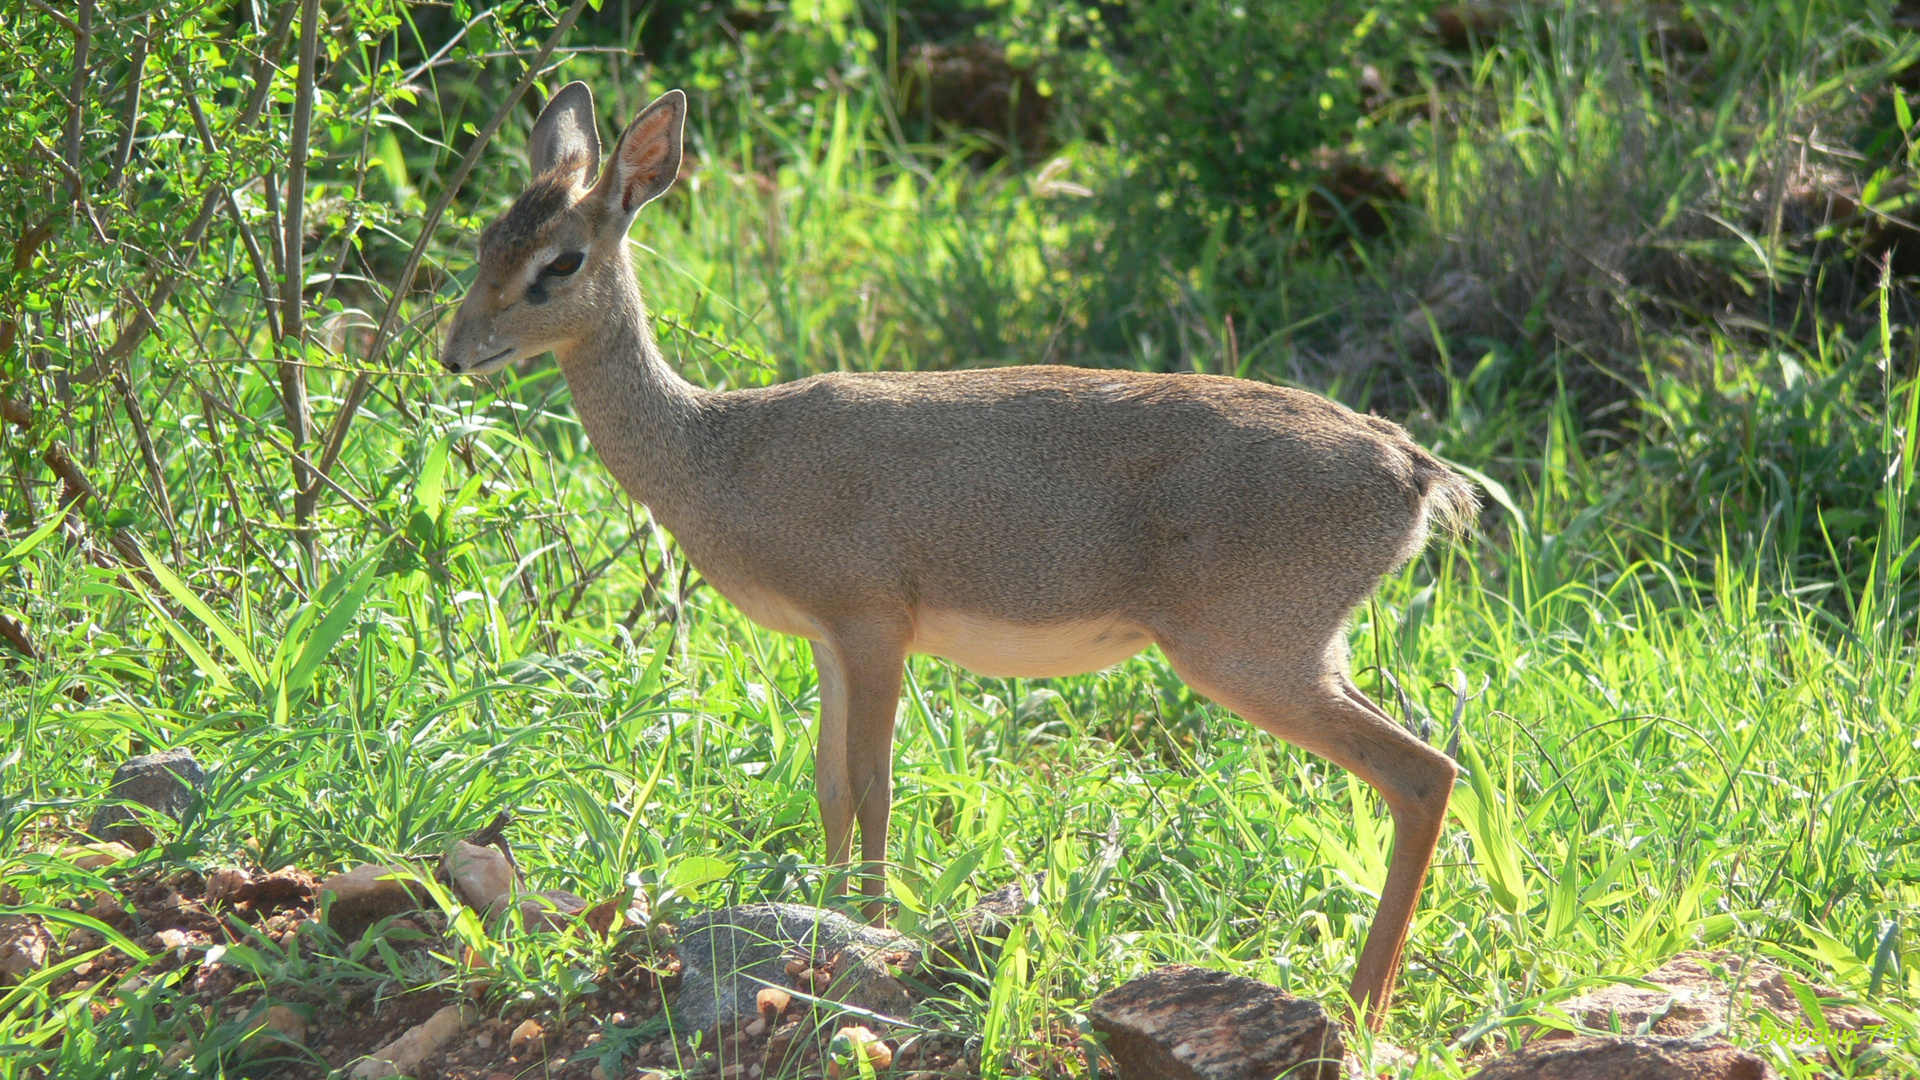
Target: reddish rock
<point>550,909</point>
<point>482,876</point>
<point>1189,1023</point>
<point>1617,1058</point>
<point>366,894</point>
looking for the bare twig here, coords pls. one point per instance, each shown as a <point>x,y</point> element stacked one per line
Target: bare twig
<point>136,328</point>
<point>293,383</point>
<point>261,276</point>
<point>15,635</point>
<point>357,391</point>
<point>76,186</point>
<point>155,473</point>
<point>77,94</point>
<point>130,114</point>
<point>44,9</point>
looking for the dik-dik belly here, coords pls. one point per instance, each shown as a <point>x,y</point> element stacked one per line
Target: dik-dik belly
<point>991,646</point>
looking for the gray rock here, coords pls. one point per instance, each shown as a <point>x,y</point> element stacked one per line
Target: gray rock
<point>728,956</point>
<point>1698,990</point>
<point>968,941</point>
<point>1189,1023</point>
<point>1618,1058</point>
<point>165,782</point>
<point>24,946</point>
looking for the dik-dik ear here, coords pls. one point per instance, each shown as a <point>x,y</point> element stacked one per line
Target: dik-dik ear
<point>566,136</point>
<point>647,157</point>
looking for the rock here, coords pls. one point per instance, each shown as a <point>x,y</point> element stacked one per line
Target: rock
<point>771,1001</point>
<point>550,909</point>
<point>527,1034</point>
<point>1187,1023</point>
<point>228,886</point>
<point>366,894</point>
<point>728,956</point>
<point>280,1025</point>
<point>1696,990</point>
<point>623,912</point>
<point>401,1056</point>
<point>969,940</point>
<point>24,945</point>
<point>165,782</point>
<point>482,876</point>
<point>97,856</point>
<point>1619,1058</point>
<point>852,1043</point>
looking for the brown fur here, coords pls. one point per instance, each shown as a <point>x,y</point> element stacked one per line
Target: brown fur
<point>1030,520</point>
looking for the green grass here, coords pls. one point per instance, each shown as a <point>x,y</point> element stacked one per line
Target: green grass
<point>1676,656</point>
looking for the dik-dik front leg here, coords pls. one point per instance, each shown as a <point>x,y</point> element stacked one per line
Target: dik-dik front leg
<point>860,669</point>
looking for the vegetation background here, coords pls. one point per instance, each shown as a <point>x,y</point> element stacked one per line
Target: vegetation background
<point>1646,269</point>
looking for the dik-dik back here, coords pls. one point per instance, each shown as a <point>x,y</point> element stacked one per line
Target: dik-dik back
<point>1036,494</point>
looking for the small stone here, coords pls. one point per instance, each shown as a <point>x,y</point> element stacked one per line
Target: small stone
<point>229,886</point>
<point>402,1055</point>
<point>795,967</point>
<point>24,945</point>
<point>176,1054</point>
<point>97,856</point>
<point>622,912</point>
<point>771,1002</point>
<point>1188,1023</point>
<point>528,1033</point>
<point>482,876</point>
<point>651,1075</point>
<point>757,1028</point>
<point>366,894</point>
<point>165,782</point>
<point>599,1073</point>
<point>1618,1058</point>
<point>279,1025</point>
<point>854,1042</point>
<point>550,909</point>
<point>484,1040</point>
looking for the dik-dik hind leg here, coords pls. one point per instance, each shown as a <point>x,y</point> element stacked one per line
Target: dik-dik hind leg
<point>1313,705</point>
<point>853,761</point>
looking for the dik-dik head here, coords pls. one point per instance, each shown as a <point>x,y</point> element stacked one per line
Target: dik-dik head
<point>552,263</point>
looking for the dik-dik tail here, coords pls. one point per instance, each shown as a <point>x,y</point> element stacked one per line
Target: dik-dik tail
<point>1442,498</point>
<point>1449,500</point>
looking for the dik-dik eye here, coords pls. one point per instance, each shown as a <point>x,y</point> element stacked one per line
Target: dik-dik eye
<point>566,264</point>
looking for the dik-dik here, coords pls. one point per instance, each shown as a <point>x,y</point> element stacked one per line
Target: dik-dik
<point>1024,521</point>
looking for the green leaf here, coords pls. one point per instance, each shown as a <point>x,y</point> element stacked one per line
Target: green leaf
<point>696,871</point>
<point>334,625</point>
<point>956,873</point>
<point>198,608</point>
<point>1488,824</point>
<point>33,540</point>
<point>194,650</point>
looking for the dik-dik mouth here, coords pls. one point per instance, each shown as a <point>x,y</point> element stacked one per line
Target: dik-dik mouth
<point>486,366</point>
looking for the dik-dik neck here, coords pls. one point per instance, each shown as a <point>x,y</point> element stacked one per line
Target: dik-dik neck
<point>642,417</point>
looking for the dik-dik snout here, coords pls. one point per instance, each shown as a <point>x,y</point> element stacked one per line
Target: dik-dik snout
<point>520,309</point>
<point>548,267</point>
